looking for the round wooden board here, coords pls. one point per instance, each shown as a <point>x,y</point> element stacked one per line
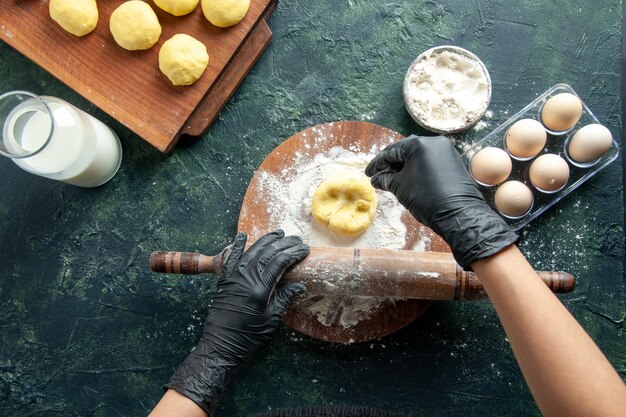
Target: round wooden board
<point>255,219</point>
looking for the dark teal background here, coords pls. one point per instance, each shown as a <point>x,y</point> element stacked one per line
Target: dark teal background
<point>87,330</point>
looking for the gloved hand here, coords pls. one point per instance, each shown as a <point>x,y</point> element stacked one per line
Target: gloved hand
<point>245,313</point>
<point>428,177</point>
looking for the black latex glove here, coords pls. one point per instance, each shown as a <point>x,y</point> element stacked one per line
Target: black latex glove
<point>245,313</point>
<point>428,177</point>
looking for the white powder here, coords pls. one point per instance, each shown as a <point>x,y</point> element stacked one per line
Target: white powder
<point>345,311</point>
<point>480,125</point>
<point>289,207</point>
<point>447,90</point>
<point>290,199</point>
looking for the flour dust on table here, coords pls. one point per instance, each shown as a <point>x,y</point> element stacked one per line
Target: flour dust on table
<point>290,195</point>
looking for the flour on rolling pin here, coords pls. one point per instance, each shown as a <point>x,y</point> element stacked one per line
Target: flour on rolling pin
<point>290,195</point>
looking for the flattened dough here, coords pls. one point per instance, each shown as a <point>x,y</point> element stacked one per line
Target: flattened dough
<point>225,13</point>
<point>177,7</point>
<point>78,17</point>
<point>347,206</point>
<point>183,59</point>
<point>135,26</point>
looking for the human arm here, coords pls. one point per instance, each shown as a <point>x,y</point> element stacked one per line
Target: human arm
<point>176,404</point>
<point>565,371</point>
<point>244,314</point>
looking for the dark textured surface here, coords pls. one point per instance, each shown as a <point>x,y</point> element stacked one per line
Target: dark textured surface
<point>86,329</point>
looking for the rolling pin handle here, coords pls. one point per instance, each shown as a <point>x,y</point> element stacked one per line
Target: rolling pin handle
<point>188,263</point>
<point>559,282</point>
<point>469,286</point>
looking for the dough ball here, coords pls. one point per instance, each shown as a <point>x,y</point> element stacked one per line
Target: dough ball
<point>183,59</point>
<point>224,13</point>
<point>345,205</point>
<point>177,7</point>
<point>135,26</point>
<point>78,17</point>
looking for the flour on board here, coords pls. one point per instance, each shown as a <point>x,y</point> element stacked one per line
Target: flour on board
<point>289,197</point>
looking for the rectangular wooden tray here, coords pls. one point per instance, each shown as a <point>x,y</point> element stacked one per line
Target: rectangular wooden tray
<point>128,85</point>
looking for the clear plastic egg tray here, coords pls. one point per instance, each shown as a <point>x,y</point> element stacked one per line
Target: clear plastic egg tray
<point>555,144</point>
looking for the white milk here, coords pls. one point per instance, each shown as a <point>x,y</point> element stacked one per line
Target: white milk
<point>82,150</point>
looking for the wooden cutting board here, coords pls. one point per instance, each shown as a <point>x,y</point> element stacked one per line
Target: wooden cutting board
<point>128,84</point>
<point>255,218</point>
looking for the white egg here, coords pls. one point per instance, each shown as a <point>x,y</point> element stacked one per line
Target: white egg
<point>549,173</point>
<point>491,166</point>
<point>526,138</point>
<point>589,143</point>
<point>561,112</point>
<point>513,199</point>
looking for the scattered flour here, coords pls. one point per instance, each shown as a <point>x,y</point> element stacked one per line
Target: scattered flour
<point>289,206</point>
<point>480,125</point>
<point>346,311</point>
<point>290,203</point>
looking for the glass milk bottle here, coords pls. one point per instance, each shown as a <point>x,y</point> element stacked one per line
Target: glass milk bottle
<point>51,138</point>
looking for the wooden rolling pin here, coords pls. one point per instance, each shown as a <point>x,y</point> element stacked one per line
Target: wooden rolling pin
<point>372,272</point>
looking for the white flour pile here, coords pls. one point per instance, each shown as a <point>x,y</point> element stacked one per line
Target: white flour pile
<point>448,90</point>
<point>345,311</point>
<point>289,204</point>
<point>291,194</point>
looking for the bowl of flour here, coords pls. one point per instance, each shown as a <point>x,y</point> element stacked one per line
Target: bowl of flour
<point>447,89</point>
